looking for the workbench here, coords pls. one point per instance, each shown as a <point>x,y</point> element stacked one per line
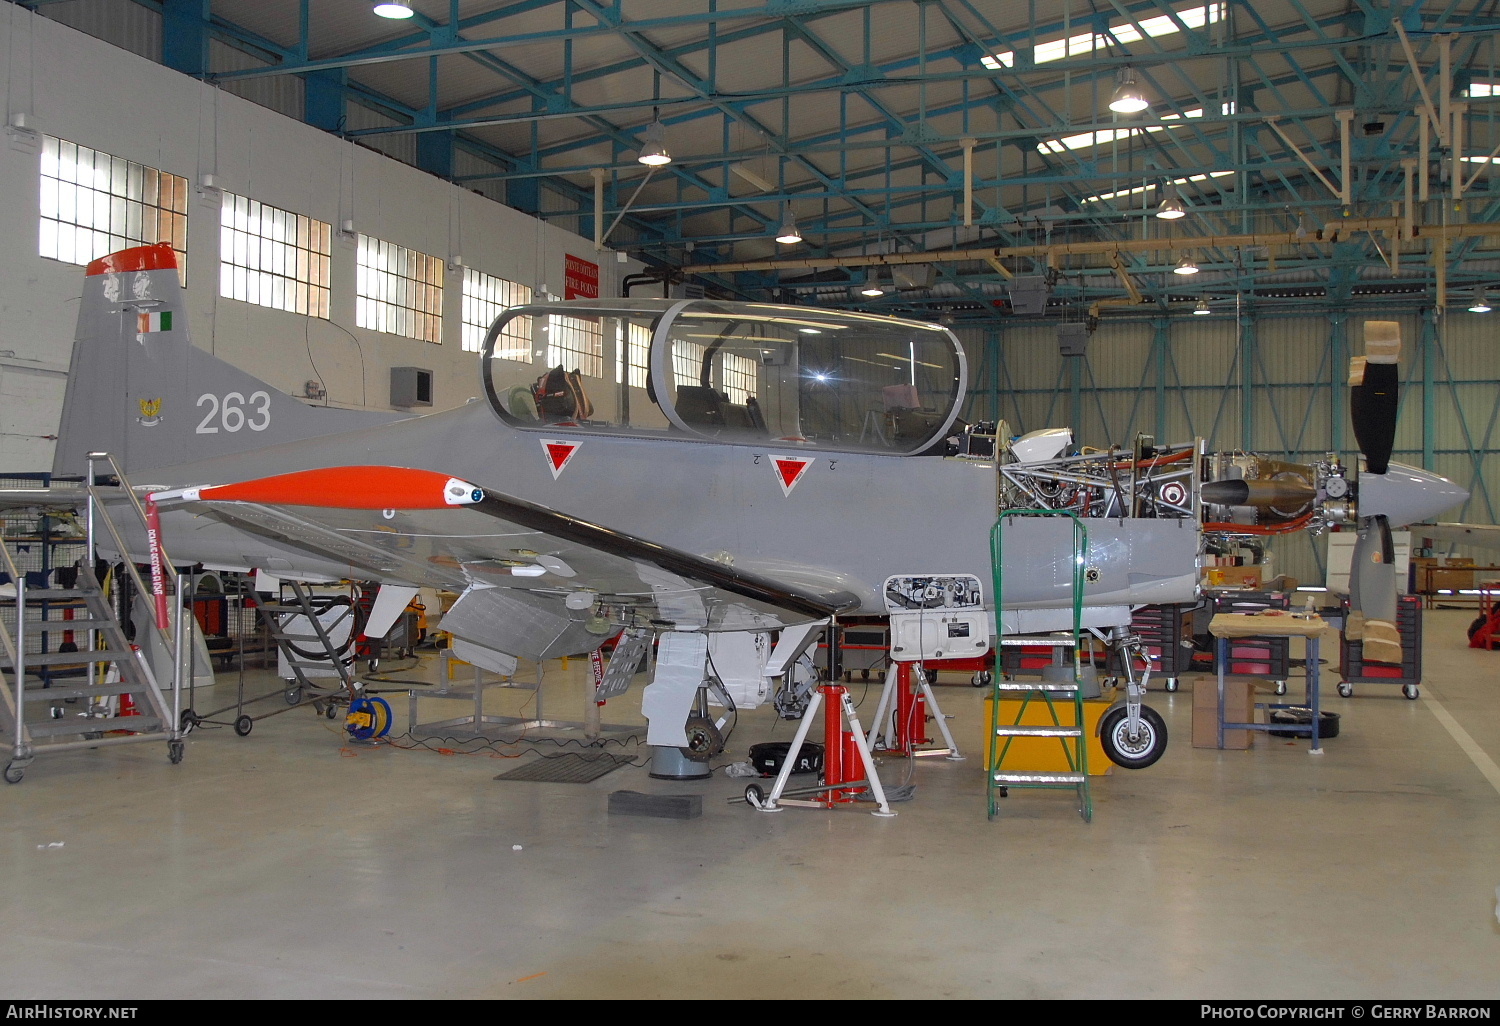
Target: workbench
<point>1272,624</point>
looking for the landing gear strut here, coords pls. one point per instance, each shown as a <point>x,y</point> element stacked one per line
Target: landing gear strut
<point>1133,735</point>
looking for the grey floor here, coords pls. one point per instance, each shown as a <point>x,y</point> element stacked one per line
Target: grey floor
<point>291,864</point>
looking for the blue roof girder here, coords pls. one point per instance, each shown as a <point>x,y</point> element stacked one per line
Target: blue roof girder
<point>619,139</point>
<point>663,61</point>
<point>185,35</point>
<point>403,47</point>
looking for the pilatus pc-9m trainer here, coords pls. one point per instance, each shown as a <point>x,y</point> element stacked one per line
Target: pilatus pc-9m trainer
<point>787,466</point>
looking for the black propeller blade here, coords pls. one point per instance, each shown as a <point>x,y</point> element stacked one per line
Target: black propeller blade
<point>1375,394</point>
<point>1373,400</point>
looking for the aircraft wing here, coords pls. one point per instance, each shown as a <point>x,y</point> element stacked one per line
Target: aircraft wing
<point>54,497</point>
<point>1483,535</point>
<point>535,582</point>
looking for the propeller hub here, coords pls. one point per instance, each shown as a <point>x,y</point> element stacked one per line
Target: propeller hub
<point>1405,495</point>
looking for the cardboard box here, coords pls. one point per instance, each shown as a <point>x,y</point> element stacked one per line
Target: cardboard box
<point>1245,577</point>
<point>1045,754</point>
<point>1446,573</point>
<point>1239,707</point>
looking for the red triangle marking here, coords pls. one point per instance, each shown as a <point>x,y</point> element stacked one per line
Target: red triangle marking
<point>790,470</point>
<point>558,452</point>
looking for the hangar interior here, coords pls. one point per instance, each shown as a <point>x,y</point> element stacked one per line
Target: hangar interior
<point>953,162</point>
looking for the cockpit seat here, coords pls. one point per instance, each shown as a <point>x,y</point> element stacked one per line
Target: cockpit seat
<point>560,396</point>
<point>704,406</point>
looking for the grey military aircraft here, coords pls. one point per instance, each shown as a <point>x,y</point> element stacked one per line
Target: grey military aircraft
<point>748,473</point>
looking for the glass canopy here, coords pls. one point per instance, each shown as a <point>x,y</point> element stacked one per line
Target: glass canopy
<point>743,373</point>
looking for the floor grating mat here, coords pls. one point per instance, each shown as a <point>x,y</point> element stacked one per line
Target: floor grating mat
<point>572,768</point>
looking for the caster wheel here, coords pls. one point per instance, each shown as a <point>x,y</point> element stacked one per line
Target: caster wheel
<point>864,674</point>
<point>55,712</point>
<point>1133,752</point>
<point>1281,687</point>
<point>175,751</point>
<point>188,722</point>
<point>982,679</point>
<point>755,796</point>
<point>13,774</point>
<point>1345,689</point>
<point>293,695</point>
<point>243,726</point>
<point>848,676</point>
<point>932,677</point>
<point>373,664</point>
<point>1172,684</point>
<point>1004,792</point>
<point>331,712</point>
<point>1411,691</point>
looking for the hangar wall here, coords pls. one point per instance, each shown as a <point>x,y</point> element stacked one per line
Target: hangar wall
<point>1180,377</point>
<point>75,87</point>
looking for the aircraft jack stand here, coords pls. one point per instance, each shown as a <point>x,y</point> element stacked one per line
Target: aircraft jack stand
<point>910,714</point>
<point>844,753</point>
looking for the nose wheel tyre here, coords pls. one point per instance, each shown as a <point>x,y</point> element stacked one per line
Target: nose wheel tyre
<point>1140,751</point>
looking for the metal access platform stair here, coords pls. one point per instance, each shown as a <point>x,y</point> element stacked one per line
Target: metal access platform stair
<point>82,715</point>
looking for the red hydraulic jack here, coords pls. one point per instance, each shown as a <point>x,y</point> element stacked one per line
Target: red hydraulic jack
<point>845,757</point>
<point>909,714</point>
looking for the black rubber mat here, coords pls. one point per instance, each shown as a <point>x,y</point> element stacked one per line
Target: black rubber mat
<point>572,768</point>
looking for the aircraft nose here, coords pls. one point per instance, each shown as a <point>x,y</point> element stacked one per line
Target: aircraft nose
<point>1407,494</point>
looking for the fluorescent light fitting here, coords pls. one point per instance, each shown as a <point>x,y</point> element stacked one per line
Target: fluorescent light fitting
<point>788,234</point>
<point>1201,310</point>
<point>1171,206</point>
<point>1186,267</point>
<point>393,11</point>
<point>1128,98</point>
<point>654,146</point>
<point>872,290</point>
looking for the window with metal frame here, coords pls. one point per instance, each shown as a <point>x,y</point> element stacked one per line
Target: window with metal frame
<point>687,362</point>
<point>633,351</point>
<point>741,377</point>
<point>486,297</point>
<point>398,290</point>
<point>576,343</point>
<point>273,257</point>
<point>93,204</point>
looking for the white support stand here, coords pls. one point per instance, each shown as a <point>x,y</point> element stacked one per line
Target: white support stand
<point>776,800</point>
<point>883,711</point>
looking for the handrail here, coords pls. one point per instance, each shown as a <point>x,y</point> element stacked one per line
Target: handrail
<point>19,581</point>
<point>114,534</point>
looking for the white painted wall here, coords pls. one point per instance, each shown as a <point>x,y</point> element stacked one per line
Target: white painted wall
<point>79,88</point>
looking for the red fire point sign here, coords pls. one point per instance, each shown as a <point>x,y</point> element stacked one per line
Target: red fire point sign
<point>580,279</point>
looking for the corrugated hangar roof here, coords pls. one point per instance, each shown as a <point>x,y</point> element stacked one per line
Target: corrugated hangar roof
<point>1311,142</point>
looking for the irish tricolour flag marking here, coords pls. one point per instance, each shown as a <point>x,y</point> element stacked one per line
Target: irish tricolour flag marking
<point>160,321</point>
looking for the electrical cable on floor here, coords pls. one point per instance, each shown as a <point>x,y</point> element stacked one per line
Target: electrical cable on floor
<point>457,746</point>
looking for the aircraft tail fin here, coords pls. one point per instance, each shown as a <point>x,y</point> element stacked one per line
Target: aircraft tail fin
<point>139,389</point>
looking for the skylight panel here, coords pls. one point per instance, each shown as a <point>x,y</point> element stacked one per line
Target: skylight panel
<point>1137,190</point>
<point>1083,140</point>
<point>1082,44</point>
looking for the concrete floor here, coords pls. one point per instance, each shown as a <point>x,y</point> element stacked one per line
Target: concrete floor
<point>290,864</point>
